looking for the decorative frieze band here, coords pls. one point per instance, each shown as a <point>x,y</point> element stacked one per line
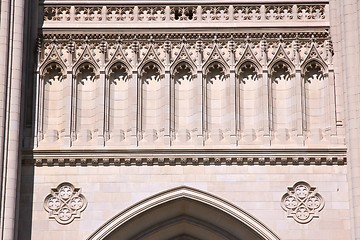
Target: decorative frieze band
<point>177,15</point>
<point>182,158</point>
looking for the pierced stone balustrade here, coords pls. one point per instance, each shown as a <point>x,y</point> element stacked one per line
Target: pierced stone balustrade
<point>196,16</point>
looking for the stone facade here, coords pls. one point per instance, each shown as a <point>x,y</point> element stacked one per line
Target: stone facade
<point>179,120</point>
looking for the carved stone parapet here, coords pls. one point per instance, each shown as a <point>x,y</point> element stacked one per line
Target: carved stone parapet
<point>175,16</point>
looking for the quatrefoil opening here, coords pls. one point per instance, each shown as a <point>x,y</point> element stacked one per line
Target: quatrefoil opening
<point>65,203</point>
<point>302,202</point>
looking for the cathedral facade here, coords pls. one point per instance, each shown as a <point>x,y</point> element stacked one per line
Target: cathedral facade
<point>180,120</point>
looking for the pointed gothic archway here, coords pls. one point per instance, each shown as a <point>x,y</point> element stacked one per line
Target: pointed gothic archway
<point>183,213</point>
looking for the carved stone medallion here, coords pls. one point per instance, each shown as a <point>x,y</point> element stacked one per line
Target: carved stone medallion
<point>302,202</point>
<point>65,203</point>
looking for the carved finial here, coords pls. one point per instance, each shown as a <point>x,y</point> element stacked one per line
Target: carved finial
<point>167,46</point>
<point>183,40</point>
<point>135,45</point>
<point>329,49</point>
<point>329,44</point>
<point>313,39</point>
<point>215,40</point>
<point>199,45</point>
<point>119,40</point>
<point>39,49</point>
<point>151,40</point>
<point>86,40</point>
<point>102,45</point>
<point>39,42</point>
<point>54,40</point>
<point>247,39</point>
<point>296,46</point>
<point>264,49</point>
<point>296,43</point>
<point>281,39</point>
<point>231,44</point>
<point>71,45</point>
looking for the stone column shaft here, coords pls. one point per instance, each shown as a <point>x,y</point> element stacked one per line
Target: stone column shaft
<point>11,50</point>
<point>345,33</point>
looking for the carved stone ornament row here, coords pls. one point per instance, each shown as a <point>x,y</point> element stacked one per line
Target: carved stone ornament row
<point>302,202</point>
<point>205,13</point>
<point>197,49</point>
<point>173,161</point>
<point>65,203</point>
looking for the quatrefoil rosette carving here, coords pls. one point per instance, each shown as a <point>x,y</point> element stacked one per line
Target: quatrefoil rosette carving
<point>302,202</point>
<point>65,203</point>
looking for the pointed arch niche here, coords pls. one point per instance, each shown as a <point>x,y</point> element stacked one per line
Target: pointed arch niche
<point>86,104</point>
<point>153,97</point>
<point>250,99</point>
<point>183,213</point>
<point>316,97</point>
<point>283,102</point>
<point>54,110</point>
<point>187,98</point>
<point>122,112</point>
<point>218,98</point>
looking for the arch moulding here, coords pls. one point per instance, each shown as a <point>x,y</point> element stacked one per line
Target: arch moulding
<point>188,193</point>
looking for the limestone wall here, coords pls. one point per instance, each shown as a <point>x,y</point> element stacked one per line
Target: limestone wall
<point>256,189</point>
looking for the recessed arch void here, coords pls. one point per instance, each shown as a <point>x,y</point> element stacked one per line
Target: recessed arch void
<point>183,213</point>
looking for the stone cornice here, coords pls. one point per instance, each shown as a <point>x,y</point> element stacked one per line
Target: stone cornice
<point>269,35</point>
<point>186,157</point>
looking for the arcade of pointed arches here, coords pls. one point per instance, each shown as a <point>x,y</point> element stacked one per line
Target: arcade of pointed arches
<point>186,96</point>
